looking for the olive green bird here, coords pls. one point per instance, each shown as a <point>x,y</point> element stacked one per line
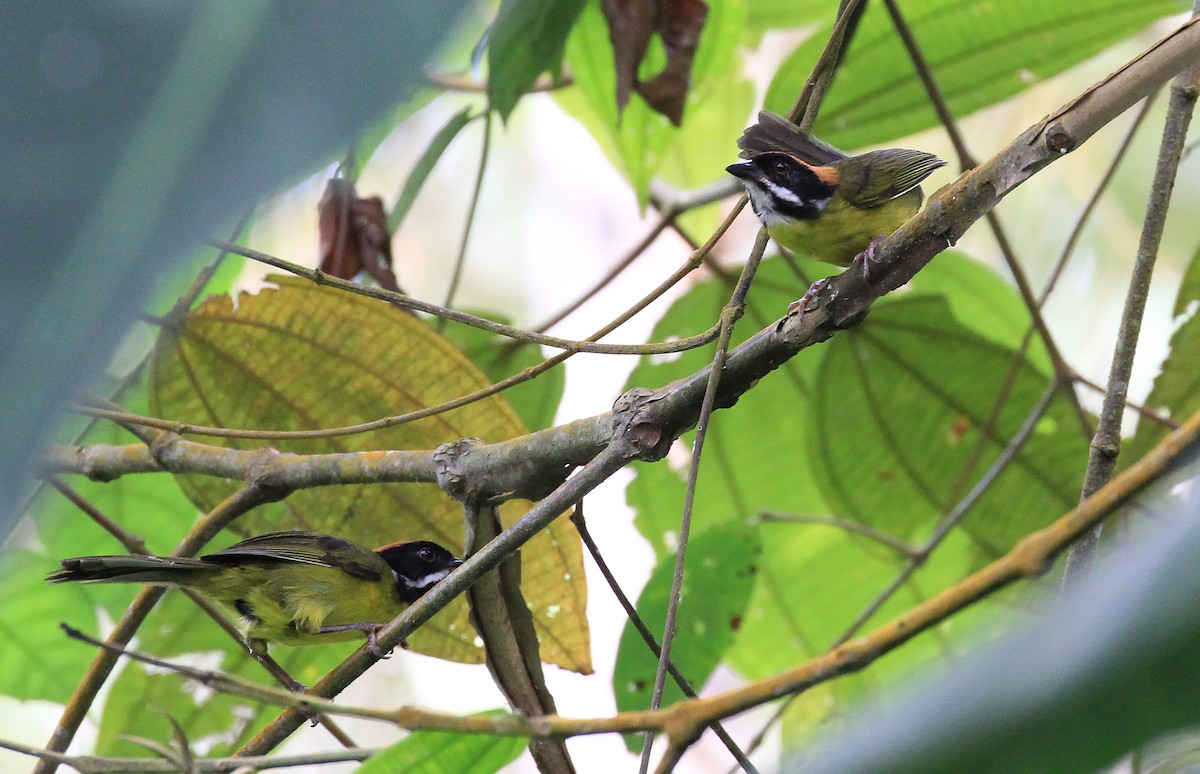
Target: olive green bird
<point>818,201</point>
<point>292,587</point>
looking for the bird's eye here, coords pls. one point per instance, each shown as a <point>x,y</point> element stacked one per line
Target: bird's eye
<point>781,167</point>
<point>425,553</point>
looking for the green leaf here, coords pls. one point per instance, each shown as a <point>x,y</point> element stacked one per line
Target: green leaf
<point>420,172</point>
<point>980,52</point>
<point>814,583</point>
<point>721,565</point>
<point>762,15</point>
<point>536,401</point>
<point>445,752</point>
<point>304,356</point>
<point>979,299</point>
<point>897,415</point>
<point>638,139</point>
<point>39,661</point>
<point>526,40</point>
<point>1189,289</point>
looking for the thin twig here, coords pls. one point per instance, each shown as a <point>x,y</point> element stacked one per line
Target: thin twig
<point>97,764</point>
<point>131,542</point>
<point>891,541</point>
<point>648,637</point>
<point>482,323</point>
<point>1106,445</point>
<point>967,161</point>
<point>730,314</point>
<point>956,515</point>
<point>1138,408</point>
<point>465,81</point>
<point>804,111</point>
<point>460,260</point>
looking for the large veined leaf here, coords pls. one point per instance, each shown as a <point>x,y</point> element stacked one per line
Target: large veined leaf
<point>302,356</point>
<point>900,405</point>
<point>980,51</point>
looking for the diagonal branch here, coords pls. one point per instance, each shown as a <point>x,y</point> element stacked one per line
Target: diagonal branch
<point>1106,445</point>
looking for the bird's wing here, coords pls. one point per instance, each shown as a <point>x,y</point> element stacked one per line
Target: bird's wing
<point>773,132</point>
<point>879,176</point>
<point>304,548</point>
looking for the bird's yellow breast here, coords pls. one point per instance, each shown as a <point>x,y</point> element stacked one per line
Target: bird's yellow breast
<point>842,230</point>
<point>291,602</point>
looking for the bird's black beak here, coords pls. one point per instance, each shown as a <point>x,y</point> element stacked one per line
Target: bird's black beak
<point>742,169</point>
<point>454,565</point>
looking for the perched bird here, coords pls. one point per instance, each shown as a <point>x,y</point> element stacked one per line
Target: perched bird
<point>293,587</point>
<point>816,200</point>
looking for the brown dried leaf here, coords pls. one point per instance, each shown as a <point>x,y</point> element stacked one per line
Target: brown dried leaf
<point>631,23</point>
<point>354,234</point>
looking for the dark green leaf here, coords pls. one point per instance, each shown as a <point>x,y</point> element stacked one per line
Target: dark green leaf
<point>444,752</point>
<point>979,299</point>
<point>721,566</point>
<point>526,40</point>
<point>897,415</point>
<point>425,164</point>
<point>980,52</point>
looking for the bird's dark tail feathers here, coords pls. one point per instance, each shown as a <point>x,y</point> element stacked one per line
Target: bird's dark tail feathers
<point>128,569</point>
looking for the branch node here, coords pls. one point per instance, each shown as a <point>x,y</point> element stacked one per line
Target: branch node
<point>264,478</point>
<point>641,437</point>
<point>454,476</point>
<point>1059,140</point>
<point>161,445</point>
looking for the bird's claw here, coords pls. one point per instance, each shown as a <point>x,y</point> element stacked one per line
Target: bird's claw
<point>800,306</point>
<point>373,645</point>
<point>869,257</point>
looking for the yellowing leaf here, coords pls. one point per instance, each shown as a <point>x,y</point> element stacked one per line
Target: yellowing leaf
<point>304,357</point>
